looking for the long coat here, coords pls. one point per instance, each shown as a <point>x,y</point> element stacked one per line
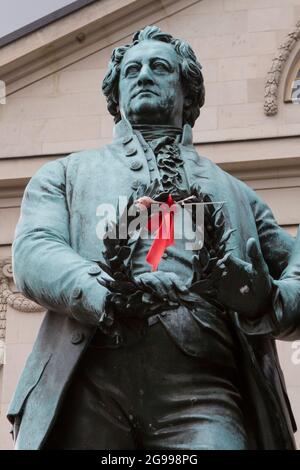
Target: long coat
<point>56,242</point>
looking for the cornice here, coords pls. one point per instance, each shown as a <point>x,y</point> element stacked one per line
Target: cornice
<point>60,32</point>
<point>265,169</point>
<point>78,35</point>
<point>43,21</point>
<point>286,168</point>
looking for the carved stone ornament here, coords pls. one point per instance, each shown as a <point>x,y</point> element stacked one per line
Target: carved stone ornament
<point>2,352</point>
<point>275,72</point>
<point>14,299</point>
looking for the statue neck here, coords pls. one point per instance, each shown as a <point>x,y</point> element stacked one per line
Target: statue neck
<point>154,131</point>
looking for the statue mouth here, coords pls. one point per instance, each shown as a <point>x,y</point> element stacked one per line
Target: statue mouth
<point>140,92</point>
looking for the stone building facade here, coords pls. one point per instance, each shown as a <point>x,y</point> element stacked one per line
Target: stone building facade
<point>52,106</point>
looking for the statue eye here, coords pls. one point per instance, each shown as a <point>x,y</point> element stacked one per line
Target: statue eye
<point>160,66</point>
<point>132,70</point>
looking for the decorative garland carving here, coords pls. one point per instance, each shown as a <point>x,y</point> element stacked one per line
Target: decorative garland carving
<point>14,299</point>
<point>275,72</point>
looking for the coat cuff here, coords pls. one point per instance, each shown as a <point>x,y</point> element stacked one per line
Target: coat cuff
<point>88,298</point>
<point>266,324</point>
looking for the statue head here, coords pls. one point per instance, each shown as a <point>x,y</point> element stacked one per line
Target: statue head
<point>154,80</point>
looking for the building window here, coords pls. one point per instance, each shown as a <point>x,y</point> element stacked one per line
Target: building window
<point>292,90</point>
<point>295,92</point>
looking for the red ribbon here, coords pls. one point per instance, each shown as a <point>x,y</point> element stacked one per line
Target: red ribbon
<point>163,222</point>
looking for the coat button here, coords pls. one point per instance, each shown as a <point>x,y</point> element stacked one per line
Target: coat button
<point>127,139</point>
<point>131,152</point>
<point>136,165</point>
<point>77,337</point>
<point>94,270</point>
<point>77,292</point>
<point>135,184</point>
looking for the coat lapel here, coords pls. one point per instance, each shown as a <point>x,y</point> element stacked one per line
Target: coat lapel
<point>211,180</point>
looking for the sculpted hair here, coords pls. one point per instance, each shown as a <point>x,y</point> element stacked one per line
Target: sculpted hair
<point>191,75</point>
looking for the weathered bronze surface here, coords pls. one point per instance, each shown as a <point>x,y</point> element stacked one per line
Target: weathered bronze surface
<point>179,358</point>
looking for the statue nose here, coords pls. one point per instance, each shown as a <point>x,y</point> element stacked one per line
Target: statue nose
<point>145,76</point>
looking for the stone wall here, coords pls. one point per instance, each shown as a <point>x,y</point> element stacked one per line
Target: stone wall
<point>59,108</point>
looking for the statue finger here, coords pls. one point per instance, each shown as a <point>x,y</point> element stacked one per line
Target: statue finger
<point>233,263</point>
<point>255,255</point>
<point>158,287</point>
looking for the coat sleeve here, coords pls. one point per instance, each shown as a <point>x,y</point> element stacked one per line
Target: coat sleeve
<point>282,255</point>
<point>46,269</point>
<point>287,300</point>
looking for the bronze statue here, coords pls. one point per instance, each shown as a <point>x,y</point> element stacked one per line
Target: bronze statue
<point>182,357</point>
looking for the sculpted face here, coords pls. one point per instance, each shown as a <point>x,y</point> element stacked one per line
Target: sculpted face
<point>150,89</point>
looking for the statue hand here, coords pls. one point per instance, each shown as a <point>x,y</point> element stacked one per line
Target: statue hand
<point>166,285</point>
<point>246,287</point>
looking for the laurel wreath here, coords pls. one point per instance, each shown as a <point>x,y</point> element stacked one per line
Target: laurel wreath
<point>127,297</point>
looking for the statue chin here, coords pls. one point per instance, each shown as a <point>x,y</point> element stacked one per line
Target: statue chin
<point>148,112</point>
